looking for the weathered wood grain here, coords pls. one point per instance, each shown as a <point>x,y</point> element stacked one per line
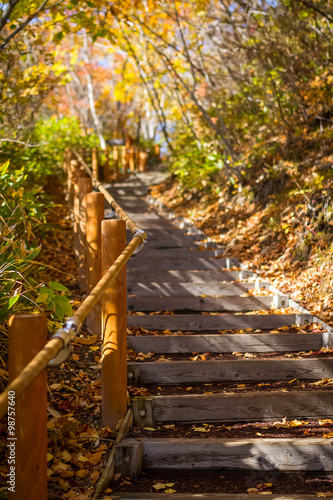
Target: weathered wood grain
<point>279,454</point>
<point>201,322</point>
<point>220,303</point>
<point>174,289</point>
<point>181,264</point>
<point>156,237</point>
<point>128,459</point>
<point>240,370</point>
<point>219,343</point>
<point>207,496</point>
<point>155,276</point>
<point>250,407</point>
<point>181,252</point>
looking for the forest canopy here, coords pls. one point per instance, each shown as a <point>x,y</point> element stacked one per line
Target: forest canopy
<point>210,76</point>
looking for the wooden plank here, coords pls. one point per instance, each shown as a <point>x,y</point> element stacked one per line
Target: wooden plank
<point>109,466</point>
<point>261,342</point>
<point>250,407</point>
<point>128,459</point>
<point>207,496</point>
<point>150,225</point>
<point>202,322</point>
<point>156,276</point>
<point>181,252</point>
<point>219,303</point>
<point>174,289</point>
<point>142,411</point>
<point>174,234</point>
<point>165,243</point>
<point>181,264</point>
<point>181,239</point>
<point>279,454</point>
<point>240,370</point>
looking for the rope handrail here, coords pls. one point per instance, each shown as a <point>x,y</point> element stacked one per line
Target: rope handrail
<point>64,337</point>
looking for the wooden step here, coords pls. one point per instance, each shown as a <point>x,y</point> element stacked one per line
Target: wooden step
<point>164,240</point>
<point>185,245</point>
<point>223,408</point>
<point>239,370</point>
<point>179,253</point>
<point>182,264</point>
<point>155,276</point>
<point>204,496</point>
<point>183,288</point>
<point>219,303</point>
<point>203,322</point>
<point>225,343</point>
<point>166,243</point>
<point>273,454</point>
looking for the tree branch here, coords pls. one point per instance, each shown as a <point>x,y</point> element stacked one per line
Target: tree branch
<point>316,9</point>
<point>144,81</point>
<point>22,25</point>
<point>7,13</point>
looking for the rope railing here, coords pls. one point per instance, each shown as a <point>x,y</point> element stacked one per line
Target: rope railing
<point>114,254</point>
<point>113,203</point>
<point>66,336</point>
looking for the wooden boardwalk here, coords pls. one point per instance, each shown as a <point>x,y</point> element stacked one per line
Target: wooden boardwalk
<point>204,302</point>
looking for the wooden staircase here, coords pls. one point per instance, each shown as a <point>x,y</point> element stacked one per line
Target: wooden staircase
<point>214,351</point>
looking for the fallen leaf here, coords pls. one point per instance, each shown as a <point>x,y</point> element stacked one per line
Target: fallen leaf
<point>66,456</point>
<point>329,435</point>
<point>159,486</point>
<point>56,387</point>
<point>94,476</point>
<point>53,412</point>
<point>82,473</point>
<point>86,340</point>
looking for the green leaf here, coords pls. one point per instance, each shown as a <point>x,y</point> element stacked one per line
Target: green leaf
<point>4,310</point>
<point>42,298</point>
<point>66,307</point>
<point>59,311</point>
<point>57,286</point>
<point>13,301</point>
<point>58,36</point>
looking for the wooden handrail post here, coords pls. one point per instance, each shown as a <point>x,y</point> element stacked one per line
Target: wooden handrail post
<point>124,160</point>
<point>94,163</point>
<point>84,187</point>
<point>143,156</point>
<point>116,161</point>
<point>67,171</point>
<point>73,164</point>
<point>114,325</point>
<point>136,158</point>
<point>106,167</point>
<point>27,453</point>
<point>78,174</point>
<point>131,159</point>
<point>95,215</point>
<point>157,152</point>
